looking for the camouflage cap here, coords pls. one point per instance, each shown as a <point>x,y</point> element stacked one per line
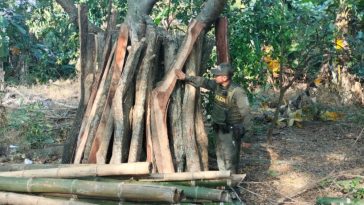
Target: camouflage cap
<point>222,69</point>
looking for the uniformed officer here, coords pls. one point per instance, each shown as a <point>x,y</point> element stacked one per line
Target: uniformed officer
<point>230,108</point>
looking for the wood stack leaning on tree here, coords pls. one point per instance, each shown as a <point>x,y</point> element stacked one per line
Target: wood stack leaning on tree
<point>126,106</point>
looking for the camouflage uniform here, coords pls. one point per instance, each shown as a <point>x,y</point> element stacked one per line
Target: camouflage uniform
<point>229,110</point>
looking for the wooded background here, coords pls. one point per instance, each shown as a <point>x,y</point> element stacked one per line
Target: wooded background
<point>270,43</point>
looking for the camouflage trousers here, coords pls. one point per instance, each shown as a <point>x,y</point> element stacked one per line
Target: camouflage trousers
<point>228,145</point>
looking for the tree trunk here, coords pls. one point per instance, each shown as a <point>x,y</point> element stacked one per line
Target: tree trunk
<point>2,77</point>
<point>87,59</point>
<point>222,43</point>
<point>147,64</point>
<point>69,7</point>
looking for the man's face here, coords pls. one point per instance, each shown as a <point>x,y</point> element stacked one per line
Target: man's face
<point>220,79</point>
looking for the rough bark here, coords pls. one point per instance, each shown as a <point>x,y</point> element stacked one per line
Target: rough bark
<point>201,136</point>
<point>162,92</point>
<point>188,107</point>
<point>87,59</point>
<point>120,55</point>
<point>160,98</point>
<point>141,94</point>
<point>171,44</point>
<point>137,16</point>
<point>222,44</point>
<point>104,145</point>
<point>83,31</point>
<point>90,69</point>
<point>127,98</point>
<point>108,39</point>
<point>93,107</point>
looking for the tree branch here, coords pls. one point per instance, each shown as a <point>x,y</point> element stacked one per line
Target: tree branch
<point>70,8</point>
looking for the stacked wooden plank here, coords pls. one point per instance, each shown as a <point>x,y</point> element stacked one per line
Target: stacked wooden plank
<point>110,184</point>
<point>132,111</point>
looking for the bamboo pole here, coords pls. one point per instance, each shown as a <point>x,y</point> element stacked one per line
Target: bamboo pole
<point>188,176</point>
<point>23,199</point>
<point>195,192</point>
<point>132,192</point>
<point>136,168</point>
<point>19,167</point>
<point>232,181</point>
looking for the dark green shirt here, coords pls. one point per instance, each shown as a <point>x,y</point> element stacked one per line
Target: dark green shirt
<point>231,103</point>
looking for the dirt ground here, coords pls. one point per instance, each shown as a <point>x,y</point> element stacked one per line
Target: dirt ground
<point>291,170</point>
<point>294,167</point>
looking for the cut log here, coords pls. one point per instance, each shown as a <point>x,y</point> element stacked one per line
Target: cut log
<point>136,168</point>
<point>188,114</point>
<point>141,93</point>
<point>134,192</point>
<point>222,43</point>
<point>125,99</point>
<point>201,136</point>
<point>92,108</point>
<point>120,54</point>
<point>83,31</point>
<point>24,199</point>
<point>160,98</point>
<point>104,145</point>
<point>171,44</point>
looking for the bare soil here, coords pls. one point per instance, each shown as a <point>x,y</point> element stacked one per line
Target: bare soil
<point>294,168</point>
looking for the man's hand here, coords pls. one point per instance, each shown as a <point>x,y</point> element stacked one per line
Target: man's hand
<point>180,74</point>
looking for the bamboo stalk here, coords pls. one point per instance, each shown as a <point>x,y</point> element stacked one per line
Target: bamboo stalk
<point>202,193</point>
<point>133,192</point>
<point>19,167</point>
<point>136,168</point>
<point>232,181</point>
<point>88,199</point>
<point>24,199</point>
<point>195,192</point>
<point>188,176</point>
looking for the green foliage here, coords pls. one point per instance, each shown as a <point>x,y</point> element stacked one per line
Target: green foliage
<point>353,187</point>
<point>98,10</point>
<point>31,121</point>
<point>37,33</point>
<point>298,32</point>
<point>175,15</point>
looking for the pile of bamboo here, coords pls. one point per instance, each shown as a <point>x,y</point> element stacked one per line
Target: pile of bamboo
<point>110,184</point>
